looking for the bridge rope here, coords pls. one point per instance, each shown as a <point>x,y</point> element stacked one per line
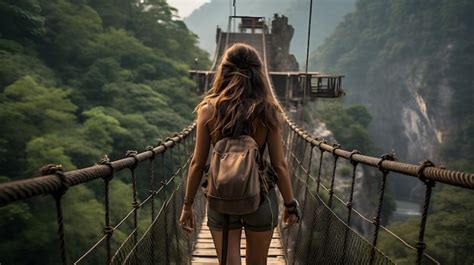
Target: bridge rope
<point>139,247</point>
<point>355,248</point>
<point>327,237</point>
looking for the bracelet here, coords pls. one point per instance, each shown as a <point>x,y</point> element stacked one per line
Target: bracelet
<point>294,208</point>
<point>187,202</point>
<point>292,204</point>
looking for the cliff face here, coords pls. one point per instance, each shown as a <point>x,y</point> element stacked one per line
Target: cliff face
<point>405,119</point>
<point>410,63</point>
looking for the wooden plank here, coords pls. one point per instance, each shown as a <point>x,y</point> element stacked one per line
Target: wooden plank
<point>207,232</point>
<point>243,244</point>
<point>212,252</point>
<point>211,261</point>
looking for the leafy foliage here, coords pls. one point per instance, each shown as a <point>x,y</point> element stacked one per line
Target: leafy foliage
<point>447,232</point>
<point>375,41</point>
<point>391,52</point>
<point>348,124</point>
<point>78,80</point>
<point>21,19</point>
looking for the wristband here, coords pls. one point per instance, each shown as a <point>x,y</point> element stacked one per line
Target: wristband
<point>294,208</point>
<point>188,202</point>
<point>291,204</point>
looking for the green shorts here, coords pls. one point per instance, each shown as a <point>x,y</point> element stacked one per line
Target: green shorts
<point>265,218</point>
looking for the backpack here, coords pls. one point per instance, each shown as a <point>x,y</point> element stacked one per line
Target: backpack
<point>235,177</point>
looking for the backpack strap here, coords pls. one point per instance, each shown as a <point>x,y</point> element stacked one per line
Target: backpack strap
<point>264,144</point>
<point>225,240</point>
<point>239,126</point>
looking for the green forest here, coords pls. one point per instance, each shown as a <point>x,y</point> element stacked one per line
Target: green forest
<point>79,80</point>
<point>378,47</point>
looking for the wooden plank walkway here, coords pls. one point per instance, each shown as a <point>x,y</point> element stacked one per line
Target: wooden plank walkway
<point>205,253</point>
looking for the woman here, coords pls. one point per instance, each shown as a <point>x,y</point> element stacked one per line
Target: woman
<point>240,91</point>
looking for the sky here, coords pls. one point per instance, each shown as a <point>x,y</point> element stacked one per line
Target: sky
<point>186,7</point>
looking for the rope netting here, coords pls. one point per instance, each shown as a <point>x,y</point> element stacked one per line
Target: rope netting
<point>321,237</point>
<point>149,232</point>
<point>331,231</point>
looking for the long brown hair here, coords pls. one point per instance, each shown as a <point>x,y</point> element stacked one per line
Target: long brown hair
<point>240,92</point>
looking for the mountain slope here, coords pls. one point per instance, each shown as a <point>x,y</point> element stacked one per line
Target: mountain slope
<point>411,64</point>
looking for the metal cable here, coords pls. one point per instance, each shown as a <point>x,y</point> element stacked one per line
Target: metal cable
<point>307,52</point>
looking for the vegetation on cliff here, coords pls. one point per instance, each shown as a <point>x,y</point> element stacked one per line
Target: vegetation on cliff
<point>392,51</point>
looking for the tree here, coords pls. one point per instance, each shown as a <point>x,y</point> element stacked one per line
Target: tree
<point>71,27</point>
<point>348,124</point>
<point>21,20</point>
<point>44,150</point>
<point>80,79</point>
<point>28,110</point>
<point>447,233</point>
<point>17,64</point>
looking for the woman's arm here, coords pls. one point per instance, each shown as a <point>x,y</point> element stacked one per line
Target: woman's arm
<point>201,151</point>
<point>280,164</point>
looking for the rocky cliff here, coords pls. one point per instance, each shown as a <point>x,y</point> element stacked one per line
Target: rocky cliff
<point>411,64</point>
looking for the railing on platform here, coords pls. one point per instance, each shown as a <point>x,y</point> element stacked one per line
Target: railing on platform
<point>288,86</point>
<point>162,241</point>
<point>324,235</point>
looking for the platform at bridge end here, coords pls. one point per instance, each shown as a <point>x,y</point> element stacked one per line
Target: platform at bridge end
<point>205,253</point>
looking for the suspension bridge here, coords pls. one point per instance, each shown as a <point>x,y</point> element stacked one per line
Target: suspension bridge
<point>328,232</point>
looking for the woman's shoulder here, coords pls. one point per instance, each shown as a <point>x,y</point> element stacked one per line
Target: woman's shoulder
<point>273,122</point>
<point>206,110</point>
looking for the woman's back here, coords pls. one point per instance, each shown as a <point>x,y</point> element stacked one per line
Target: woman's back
<point>241,97</point>
<point>254,128</point>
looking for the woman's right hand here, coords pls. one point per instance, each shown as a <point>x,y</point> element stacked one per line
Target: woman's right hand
<point>186,220</point>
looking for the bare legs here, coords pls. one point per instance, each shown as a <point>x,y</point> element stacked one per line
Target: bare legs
<point>233,249</point>
<point>258,244</point>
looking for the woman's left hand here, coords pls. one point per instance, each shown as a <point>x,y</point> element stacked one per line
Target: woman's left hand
<point>289,219</point>
<point>292,213</point>
<point>186,220</point>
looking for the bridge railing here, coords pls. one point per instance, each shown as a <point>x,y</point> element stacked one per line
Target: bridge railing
<point>156,239</point>
<point>327,233</point>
